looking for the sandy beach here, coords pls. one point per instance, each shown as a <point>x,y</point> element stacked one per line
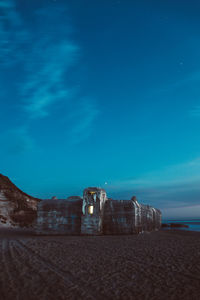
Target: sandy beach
<point>157,265</point>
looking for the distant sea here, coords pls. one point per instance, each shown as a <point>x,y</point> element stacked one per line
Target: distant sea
<point>194,224</point>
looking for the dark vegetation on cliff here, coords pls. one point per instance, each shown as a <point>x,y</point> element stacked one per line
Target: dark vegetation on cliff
<point>22,207</point>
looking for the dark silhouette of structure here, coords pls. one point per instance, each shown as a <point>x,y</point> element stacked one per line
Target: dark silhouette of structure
<point>95,214</point>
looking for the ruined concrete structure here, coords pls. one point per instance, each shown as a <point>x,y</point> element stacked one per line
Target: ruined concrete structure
<point>92,208</point>
<point>59,216</point>
<point>95,214</point>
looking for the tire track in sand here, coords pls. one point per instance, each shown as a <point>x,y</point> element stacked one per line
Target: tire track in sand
<point>17,276</point>
<point>74,285</point>
<point>35,285</point>
<point>11,282</point>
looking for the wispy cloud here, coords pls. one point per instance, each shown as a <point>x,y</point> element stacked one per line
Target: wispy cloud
<point>174,174</point>
<point>193,77</point>
<point>13,37</point>
<point>16,141</point>
<point>195,112</point>
<point>82,121</point>
<point>182,212</point>
<point>174,186</point>
<point>45,84</point>
<point>47,53</point>
<point>48,63</point>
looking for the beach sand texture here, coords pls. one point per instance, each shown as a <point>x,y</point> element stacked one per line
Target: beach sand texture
<point>158,265</point>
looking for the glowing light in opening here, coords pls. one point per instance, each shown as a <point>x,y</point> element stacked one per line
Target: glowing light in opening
<point>91,209</point>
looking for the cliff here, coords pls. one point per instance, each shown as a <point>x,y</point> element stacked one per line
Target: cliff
<point>17,209</point>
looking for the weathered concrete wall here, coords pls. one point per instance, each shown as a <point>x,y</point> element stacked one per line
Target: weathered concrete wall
<point>119,217</point>
<point>74,215</point>
<point>59,216</point>
<point>92,222</point>
<point>95,214</point>
<point>127,217</point>
<point>157,219</point>
<point>146,218</point>
<point>90,225</point>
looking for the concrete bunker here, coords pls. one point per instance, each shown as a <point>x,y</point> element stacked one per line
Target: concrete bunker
<point>95,214</point>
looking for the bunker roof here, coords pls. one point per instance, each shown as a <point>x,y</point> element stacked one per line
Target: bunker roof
<point>74,203</point>
<point>94,189</point>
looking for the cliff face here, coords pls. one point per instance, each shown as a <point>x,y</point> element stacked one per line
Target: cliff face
<point>17,209</point>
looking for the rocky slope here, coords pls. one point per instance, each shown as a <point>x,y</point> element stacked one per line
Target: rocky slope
<point>17,209</point>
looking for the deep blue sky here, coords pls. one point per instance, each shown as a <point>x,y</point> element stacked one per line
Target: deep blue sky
<point>102,93</point>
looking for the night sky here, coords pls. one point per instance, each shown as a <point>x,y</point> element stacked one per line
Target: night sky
<point>102,93</point>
